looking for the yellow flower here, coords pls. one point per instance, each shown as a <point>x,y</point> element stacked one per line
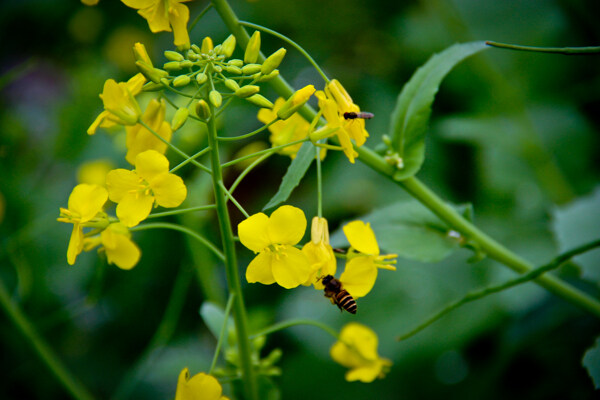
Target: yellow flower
<point>357,350</point>
<point>364,259</point>
<point>165,15</point>
<point>90,2</point>
<point>199,387</point>
<point>273,238</point>
<point>140,139</point>
<point>284,131</point>
<point>94,172</point>
<point>320,253</point>
<point>296,100</point>
<point>120,249</point>
<point>335,125</point>
<point>120,106</point>
<point>84,209</point>
<point>136,191</point>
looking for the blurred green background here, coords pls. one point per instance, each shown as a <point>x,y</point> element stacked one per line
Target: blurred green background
<point>514,133</point>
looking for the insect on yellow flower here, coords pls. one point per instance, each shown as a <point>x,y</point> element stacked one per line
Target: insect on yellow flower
<point>273,238</point>
<point>199,387</point>
<point>357,350</point>
<point>138,190</point>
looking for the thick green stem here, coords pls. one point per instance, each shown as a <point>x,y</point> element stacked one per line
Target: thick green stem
<point>231,269</point>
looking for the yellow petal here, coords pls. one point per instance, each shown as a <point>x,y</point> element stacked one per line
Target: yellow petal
<point>253,232</point>
<point>203,387</point>
<point>139,139</point>
<point>290,267</point>
<point>359,276</point>
<point>344,355</point>
<point>120,249</point>
<point>136,82</point>
<point>155,13</point>
<point>322,261</point>
<point>121,182</point>
<point>94,172</point>
<point>287,225</point>
<point>133,208</point>
<point>99,119</point>
<point>340,95</point>
<point>260,269</point>
<point>366,373</point>
<point>75,244</point>
<point>87,200</point>
<point>151,163</point>
<point>362,339</point>
<point>169,190</point>
<point>361,237</point>
<point>178,17</point>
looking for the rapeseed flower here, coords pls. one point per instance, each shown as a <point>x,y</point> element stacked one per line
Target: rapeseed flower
<point>284,131</point>
<point>199,387</point>
<point>117,244</point>
<point>140,139</point>
<point>319,253</point>
<point>273,238</point>
<point>357,349</point>
<point>138,190</point>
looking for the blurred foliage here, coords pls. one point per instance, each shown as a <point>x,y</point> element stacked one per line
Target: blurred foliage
<point>513,133</point>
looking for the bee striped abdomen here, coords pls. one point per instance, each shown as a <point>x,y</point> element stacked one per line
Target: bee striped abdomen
<point>346,301</point>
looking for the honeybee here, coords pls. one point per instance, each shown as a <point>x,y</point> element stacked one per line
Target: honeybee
<point>361,114</point>
<point>338,295</point>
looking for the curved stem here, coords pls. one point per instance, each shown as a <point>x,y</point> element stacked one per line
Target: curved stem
<point>167,225</point>
<point>249,168</point>
<point>266,151</point>
<point>247,135</point>
<point>478,294</point>
<point>48,357</point>
<point>291,43</point>
<point>568,51</point>
<point>233,200</point>
<point>182,211</point>
<point>286,324</point>
<point>222,333</point>
<point>199,17</point>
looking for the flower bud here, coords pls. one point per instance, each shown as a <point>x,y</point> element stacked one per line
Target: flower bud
<point>250,69</point>
<point>236,62</point>
<point>173,56</point>
<point>215,98</point>
<point>228,46</point>
<point>196,48</point>
<point>201,78</point>
<point>231,85</point>
<point>207,45</point>
<point>151,73</point>
<point>181,115</point>
<point>140,54</point>
<point>217,50</point>
<point>217,68</point>
<point>319,231</point>
<point>265,78</point>
<point>233,70</point>
<point>202,110</point>
<point>297,100</point>
<point>186,64</point>
<point>252,49</point>
<point>181,80</point>
<point>273,61</point>
<point>152,87</point>
<point>247,91</point>
<point>260,100</point>
<point>172,66</point>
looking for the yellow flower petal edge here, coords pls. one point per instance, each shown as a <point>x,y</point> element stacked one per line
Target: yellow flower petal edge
<point>199,387</point>
<point>361,237</point>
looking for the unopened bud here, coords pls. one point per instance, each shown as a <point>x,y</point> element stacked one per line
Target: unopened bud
<point>217,49</point>
<point>151,73</point>
<point>202,110</point>
<point>215,98</point>
<point>201,78</point>
<point>196,48</point>
<point>181,115</point>
<point>173,56</point>
<point>273,61</point>
<point>250,69</point>
<point>207,45</point>
<point>247,91</point>
<point>217,68</point>
<point>228,46</point>
<point>253,48</point>
<point>181,80</point>
<point>231,85</point>
<point>152,87</point>
<point>140,54</point>
<point>265,78</point>
<point>172,66</point>
<point>186,64</point>
<point>236,62</point>
<point>260,100</point>
<point>297,100</point>
<point>233,70</point>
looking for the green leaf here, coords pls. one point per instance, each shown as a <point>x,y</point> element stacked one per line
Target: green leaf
<point>577,223</point>
<point>413,108</point>
<point>591,361</point>
<point>409,229</point>
<point>294,174</point>
<point>213,316</point>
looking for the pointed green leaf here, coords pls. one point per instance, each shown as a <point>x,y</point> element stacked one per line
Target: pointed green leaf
<point>214,316</point>
<point>413,108</point>
<point>591,361</point>
<point>293,175</point>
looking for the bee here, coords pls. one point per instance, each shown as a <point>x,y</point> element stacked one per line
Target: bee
<point>360,114</point>
<point>338,295</point>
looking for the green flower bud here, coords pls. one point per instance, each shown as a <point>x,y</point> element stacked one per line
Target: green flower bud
<point>152,87</point>
<point>217,49</point>
<point>172,66</point>
<point>233,70</point>
<point>273,61</point>
<point>217,68</point>
<point>247,91</point>
<point>215,98</point>
<point>260,100</point>
<point>173,56</point>
<point>253,48</point>
<point>201,78</point>
<point>250,69</point>
<point>265,78</point>
<point>181,80</point>
<point>196,48</point>
<point>228,46</point>
<point>236,62</point>
<point>151,73</point>
<point>186,64</point>
<point>202,110</point>
<point>231,85</point>
<point>181,115</point>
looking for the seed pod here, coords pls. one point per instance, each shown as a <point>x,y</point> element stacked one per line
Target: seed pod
<point>202,109</point>
<point>181,115</point>
<point>173,56</point>
<point>253,48</point>
<point>236,62</point>
<point>273,61</point>
<point>215,98</point>
<point>250,69</point>
<point>247,91</point>
<point>228,46</point>
<point>260,100</point>
<point>233,70</point>
<point>231,85</point>
<point>151,73</point>
<point>201,78</point>
<point>181,80</point>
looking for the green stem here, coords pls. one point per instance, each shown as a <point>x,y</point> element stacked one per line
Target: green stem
<point>319,183</point>
<point>569,51</point>
<point>234,201</point>
<point>247,135</point>
<point>266,151</point>
<point>69,382</point>
<point>222,333</point>
<point>167,225</point>
<point>183,211</point>
<point>249,168</point>
<point>286,324</point>
<point>231,268</point>
<point>185,162</point>
<point>291,43</point>
<point>478,294</point>
<point>199,17</point>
